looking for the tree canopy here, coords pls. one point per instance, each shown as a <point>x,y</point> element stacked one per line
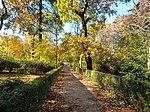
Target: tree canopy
<point>45,18</point>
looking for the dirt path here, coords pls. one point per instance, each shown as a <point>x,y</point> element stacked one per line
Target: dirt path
<point>73,93</point>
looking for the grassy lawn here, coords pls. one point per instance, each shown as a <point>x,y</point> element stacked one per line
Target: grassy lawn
<point>23,77</point>
<point>8,81</point>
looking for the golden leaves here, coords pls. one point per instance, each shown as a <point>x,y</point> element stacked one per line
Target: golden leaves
<point>76,46</point>
<point>19,3</point>
<point>66,9</point>
<point>11,46</point>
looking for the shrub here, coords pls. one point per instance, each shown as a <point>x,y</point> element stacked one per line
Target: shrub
<point>37,67</point>
<point>108,65</point>
<point>9,84</point>
<point>2,63</point>
<point>27,98</point>
<point>133,92</point>
<point>8,64</point>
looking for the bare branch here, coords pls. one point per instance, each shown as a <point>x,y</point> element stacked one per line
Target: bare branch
<point>141,28</point>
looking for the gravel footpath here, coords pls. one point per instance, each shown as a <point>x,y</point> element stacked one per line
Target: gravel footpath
<point>78,95</point>
<point>73,92</point>
<point>70,95</point>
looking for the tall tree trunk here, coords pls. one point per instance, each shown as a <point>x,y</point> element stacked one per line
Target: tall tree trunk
<point>56,47</point>
<point>84,28</point>
<point>80,62</point>
<point>89,62</point>
<point>88,57</point>
<point>32,45</point>
<point>40,21</point>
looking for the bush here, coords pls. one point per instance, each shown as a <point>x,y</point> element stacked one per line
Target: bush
<point>133,92</point>
<point>9,84</point>
<point>25,66</point>
<point>37,67</point>
<point>27,98</point>
<point>2,63</point>
<point>108,65</point>
<point>8,64</point>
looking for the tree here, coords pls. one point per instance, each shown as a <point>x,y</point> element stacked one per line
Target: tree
<point>26,16</point>
<point>49,3</point>
<point>89,13</point>
<point>22,15</point>
<point>128,38</point>
<point>40,20</point>
<point>43,51</point>
<point>4,14</point>
<point>73,50</point>
<point>11,46</point>
<point>139,24</point>
<point>28,47</point>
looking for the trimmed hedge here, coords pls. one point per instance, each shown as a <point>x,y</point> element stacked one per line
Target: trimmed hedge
<point>27,98</point>
<point>8,85</point>
<point>133,92</point>
<point>24,66</point>
<point>34,67</point>
<point>8,64</point>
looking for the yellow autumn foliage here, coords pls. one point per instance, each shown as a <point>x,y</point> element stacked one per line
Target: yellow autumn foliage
<point>11,46</point>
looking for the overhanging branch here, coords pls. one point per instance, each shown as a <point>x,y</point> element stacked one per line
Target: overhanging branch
<point>81,13</point>
<point>3,15</point>
<point>87,19</point>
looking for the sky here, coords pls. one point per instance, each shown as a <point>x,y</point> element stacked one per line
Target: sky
<point>122,9</point>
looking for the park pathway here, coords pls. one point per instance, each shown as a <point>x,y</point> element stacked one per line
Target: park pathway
<point>73,92</point>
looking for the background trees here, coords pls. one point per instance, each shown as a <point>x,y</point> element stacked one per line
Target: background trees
<point>89,13</point>
<point>11,46</point>
<point>121,48</point>
<point>47,18</point>
<point>127,40</point>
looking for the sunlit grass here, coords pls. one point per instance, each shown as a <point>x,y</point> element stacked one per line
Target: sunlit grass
<point>25,78</point>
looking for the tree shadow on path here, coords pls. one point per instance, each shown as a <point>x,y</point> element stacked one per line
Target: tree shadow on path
<point>70,95</point>
<point>74,93</point>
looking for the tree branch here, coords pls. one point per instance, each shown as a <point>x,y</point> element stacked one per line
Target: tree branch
<point>81,14</point>
<point>3,15</point>
<point>85,7</point>
<point>137,26</point>
<point>87,19</point>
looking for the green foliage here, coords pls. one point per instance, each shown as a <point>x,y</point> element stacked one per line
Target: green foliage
<point>131,56</point>
<point>24,66</point>
<point>26,98</point>
<point>94,10</point>
<point>37,67</point>
<point>133,92</point>
<point>8,64</point>
<point>128,58</point>
<point>43,51</point>
<point>108,65</point>
<point>9,84</point>
<point>2,62</point>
